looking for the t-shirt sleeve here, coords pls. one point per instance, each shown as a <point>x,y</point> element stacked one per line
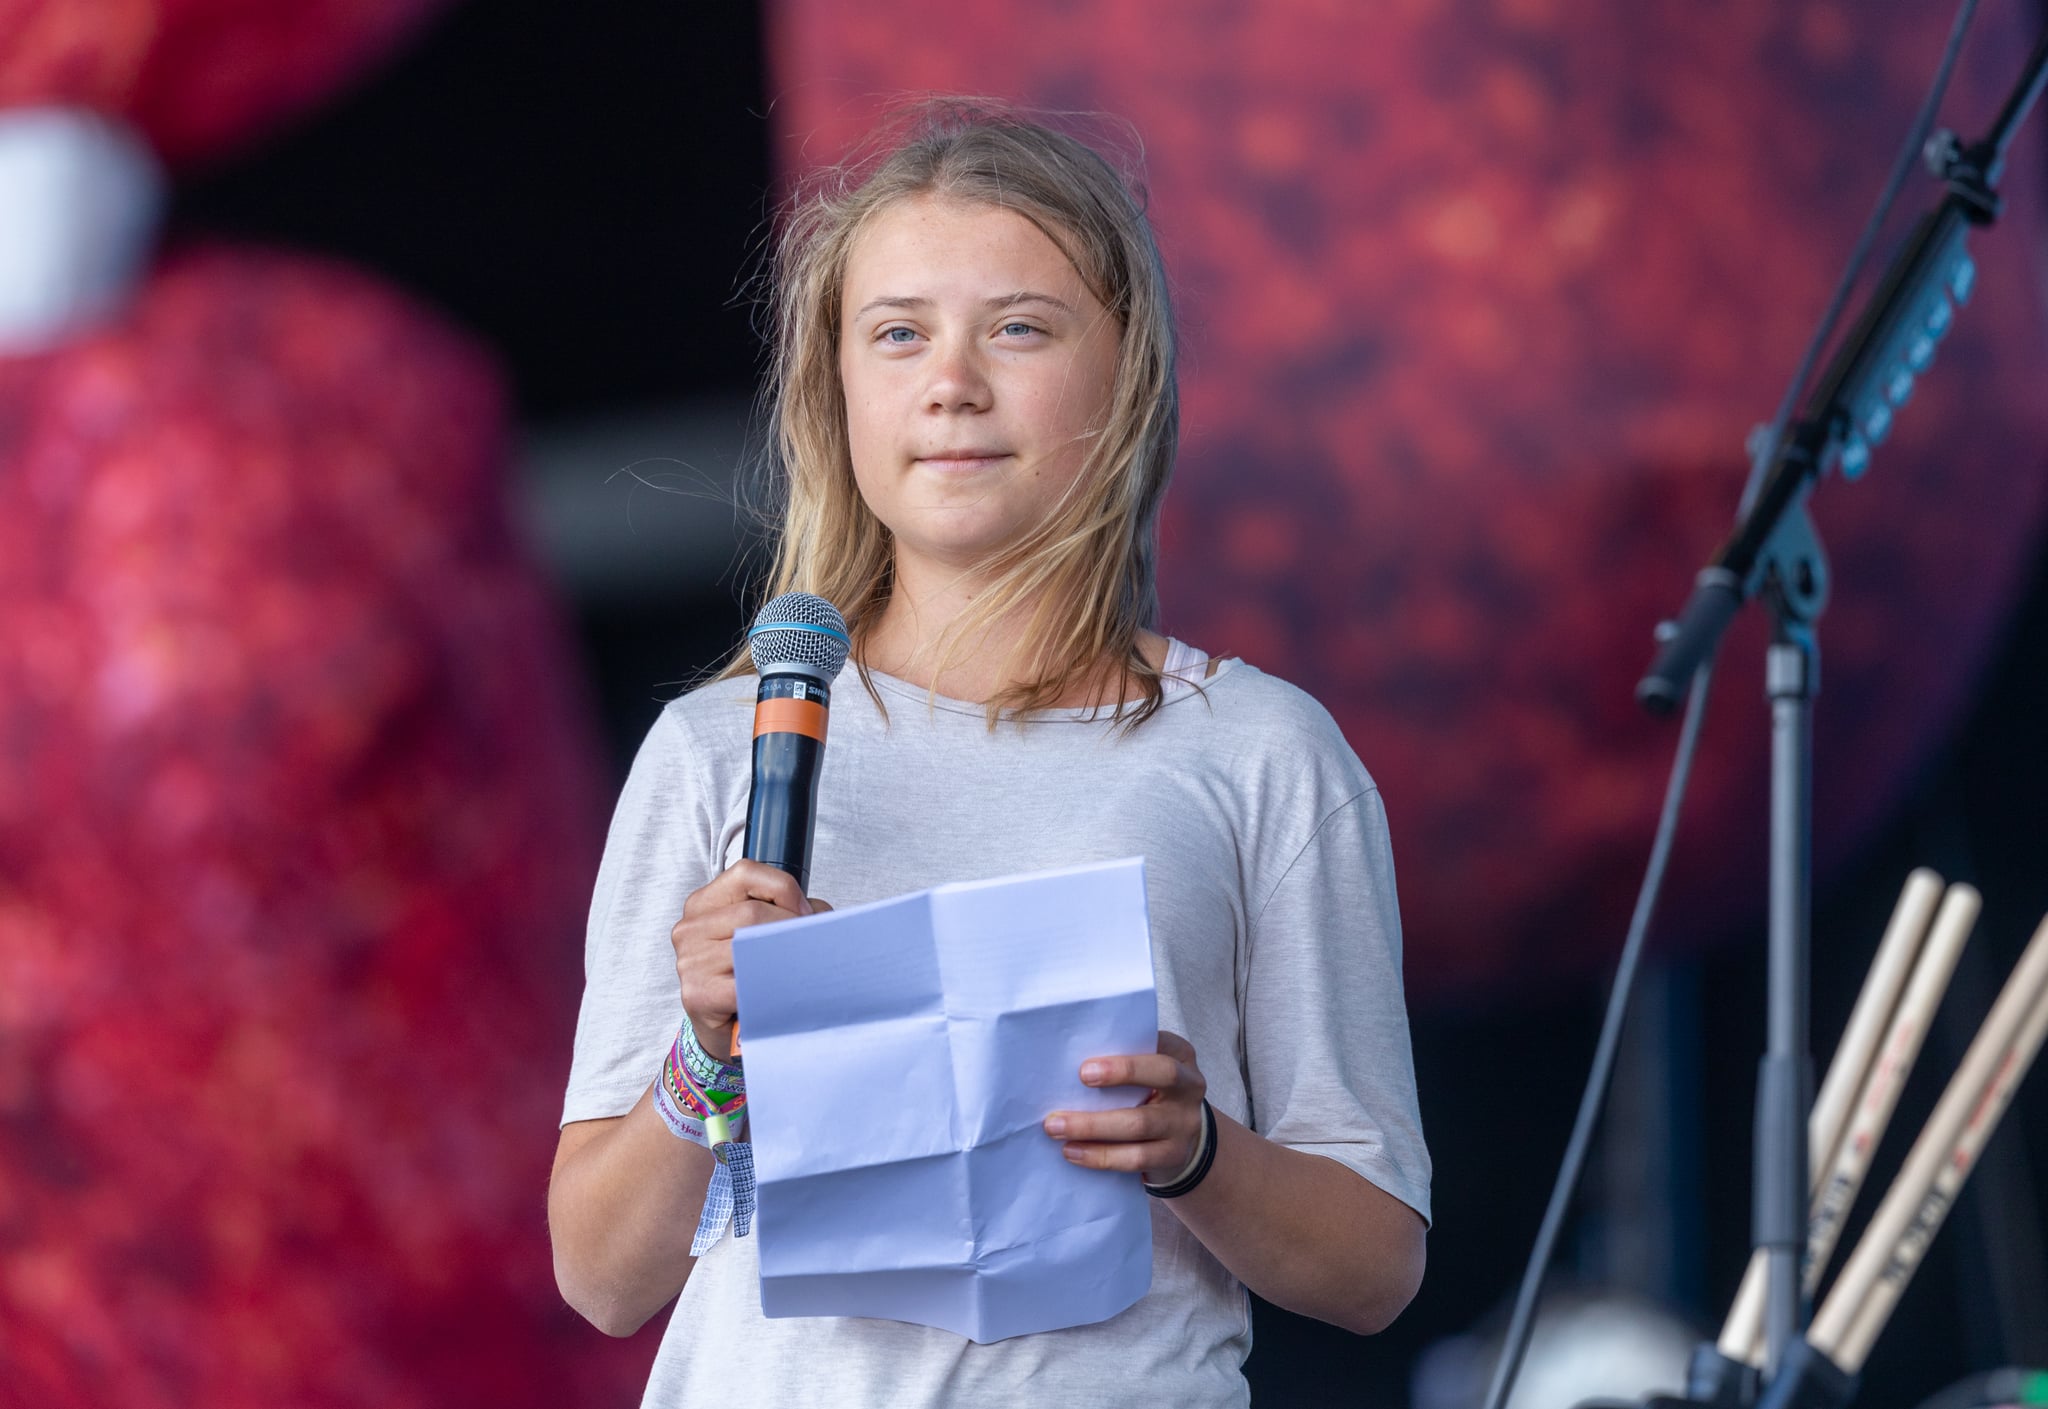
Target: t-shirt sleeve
<point>1327,1052</point>
<point>657,851</point>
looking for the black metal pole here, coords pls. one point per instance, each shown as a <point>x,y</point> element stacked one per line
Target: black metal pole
<point>1785,1080</point>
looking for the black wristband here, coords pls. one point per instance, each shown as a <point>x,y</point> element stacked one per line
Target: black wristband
<point>1201,1169</point>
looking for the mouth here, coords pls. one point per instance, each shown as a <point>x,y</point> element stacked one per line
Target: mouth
<point>965,458</point>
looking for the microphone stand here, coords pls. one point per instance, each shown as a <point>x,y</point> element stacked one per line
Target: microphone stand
<point>1774,552</point>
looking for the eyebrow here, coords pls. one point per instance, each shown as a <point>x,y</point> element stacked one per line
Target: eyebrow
<point>1010,300</point>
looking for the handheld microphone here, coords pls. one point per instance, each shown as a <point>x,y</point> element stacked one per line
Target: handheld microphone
<point>799,645</point>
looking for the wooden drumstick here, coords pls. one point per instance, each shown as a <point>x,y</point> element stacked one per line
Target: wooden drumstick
<point>1871,1016</point>
<point>1742,1335</point>
<point>1887,1077</point>
<point>1948,1182</point>
<point>1883,1261</point>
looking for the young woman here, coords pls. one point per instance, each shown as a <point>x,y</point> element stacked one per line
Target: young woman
<point>977,415</point>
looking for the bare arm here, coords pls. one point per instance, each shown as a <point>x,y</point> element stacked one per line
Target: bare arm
<point>623,1205</point>
<point>626,1194</point>
<point>1304,1232</point>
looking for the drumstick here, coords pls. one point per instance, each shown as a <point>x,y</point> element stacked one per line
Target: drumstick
<point>1843,1330</point>
<point>1888,1077</point>
<point>1870,1017</point>
<point>1743,1332</point>
<point>1948,1182</point>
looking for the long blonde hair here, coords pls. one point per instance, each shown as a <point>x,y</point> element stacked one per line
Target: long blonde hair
<point>1090,569</point>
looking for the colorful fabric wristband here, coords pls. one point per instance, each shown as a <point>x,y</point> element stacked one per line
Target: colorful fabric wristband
<point>709,1070</point>
<point>704,1100</point>
<point>700,1099</point>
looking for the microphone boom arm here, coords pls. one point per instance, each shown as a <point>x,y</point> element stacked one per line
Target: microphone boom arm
<point>1850,413</point>
<point>1851,410</point>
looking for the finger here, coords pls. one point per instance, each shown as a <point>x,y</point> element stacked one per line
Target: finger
<point>1153,1069</point>
<point>1133,1123</point>
<point>717,926</point>
<point>1173,1045</point>
<point>749,880</point>
<point>720,891</point>
<point>706,975</point>
<point>1131,1159</point>
<point>819,907</point>
<point>771,884</point>
<point>706,970</point>
<point>748,913</point>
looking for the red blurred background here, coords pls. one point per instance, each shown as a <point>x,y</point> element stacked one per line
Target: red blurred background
<point>1481,300</point>
<point>316,676</point>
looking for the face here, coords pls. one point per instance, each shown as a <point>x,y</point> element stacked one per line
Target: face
<point>977,367</point>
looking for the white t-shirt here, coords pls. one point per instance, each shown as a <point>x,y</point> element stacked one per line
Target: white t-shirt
<point>1276,949</point>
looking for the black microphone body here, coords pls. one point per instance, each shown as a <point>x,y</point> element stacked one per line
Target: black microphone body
<point>799,644</point>
<point>782,809</point>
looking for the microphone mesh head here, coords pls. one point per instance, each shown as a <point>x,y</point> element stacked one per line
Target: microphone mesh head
<point>799,629</point>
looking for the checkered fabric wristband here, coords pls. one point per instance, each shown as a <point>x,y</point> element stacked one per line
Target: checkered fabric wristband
<point>728,1198</point>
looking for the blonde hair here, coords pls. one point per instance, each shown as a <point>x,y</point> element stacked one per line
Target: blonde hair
<point>1090,569</point>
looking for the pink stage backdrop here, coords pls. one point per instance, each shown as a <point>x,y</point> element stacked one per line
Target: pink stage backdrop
<point>1480,300</point>
<point>299,808</point>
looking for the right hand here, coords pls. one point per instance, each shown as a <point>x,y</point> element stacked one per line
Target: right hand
<point>746,893</point>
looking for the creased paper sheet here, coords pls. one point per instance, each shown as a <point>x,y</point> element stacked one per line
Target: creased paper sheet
<point>900,1057</point>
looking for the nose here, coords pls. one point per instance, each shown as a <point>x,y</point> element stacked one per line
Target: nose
<point>958,377</point>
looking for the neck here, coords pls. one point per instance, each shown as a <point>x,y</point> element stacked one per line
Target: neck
<point>918,641</point>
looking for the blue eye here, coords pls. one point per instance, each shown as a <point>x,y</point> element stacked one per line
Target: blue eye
<point>889,334</point>
<point>1022,330</point>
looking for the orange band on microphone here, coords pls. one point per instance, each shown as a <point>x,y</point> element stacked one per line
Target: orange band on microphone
<point>806,717</point>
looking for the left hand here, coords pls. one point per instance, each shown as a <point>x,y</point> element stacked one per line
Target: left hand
<point>1155,1138</point>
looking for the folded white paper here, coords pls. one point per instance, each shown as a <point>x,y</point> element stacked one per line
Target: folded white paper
<point>900,1057</point>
